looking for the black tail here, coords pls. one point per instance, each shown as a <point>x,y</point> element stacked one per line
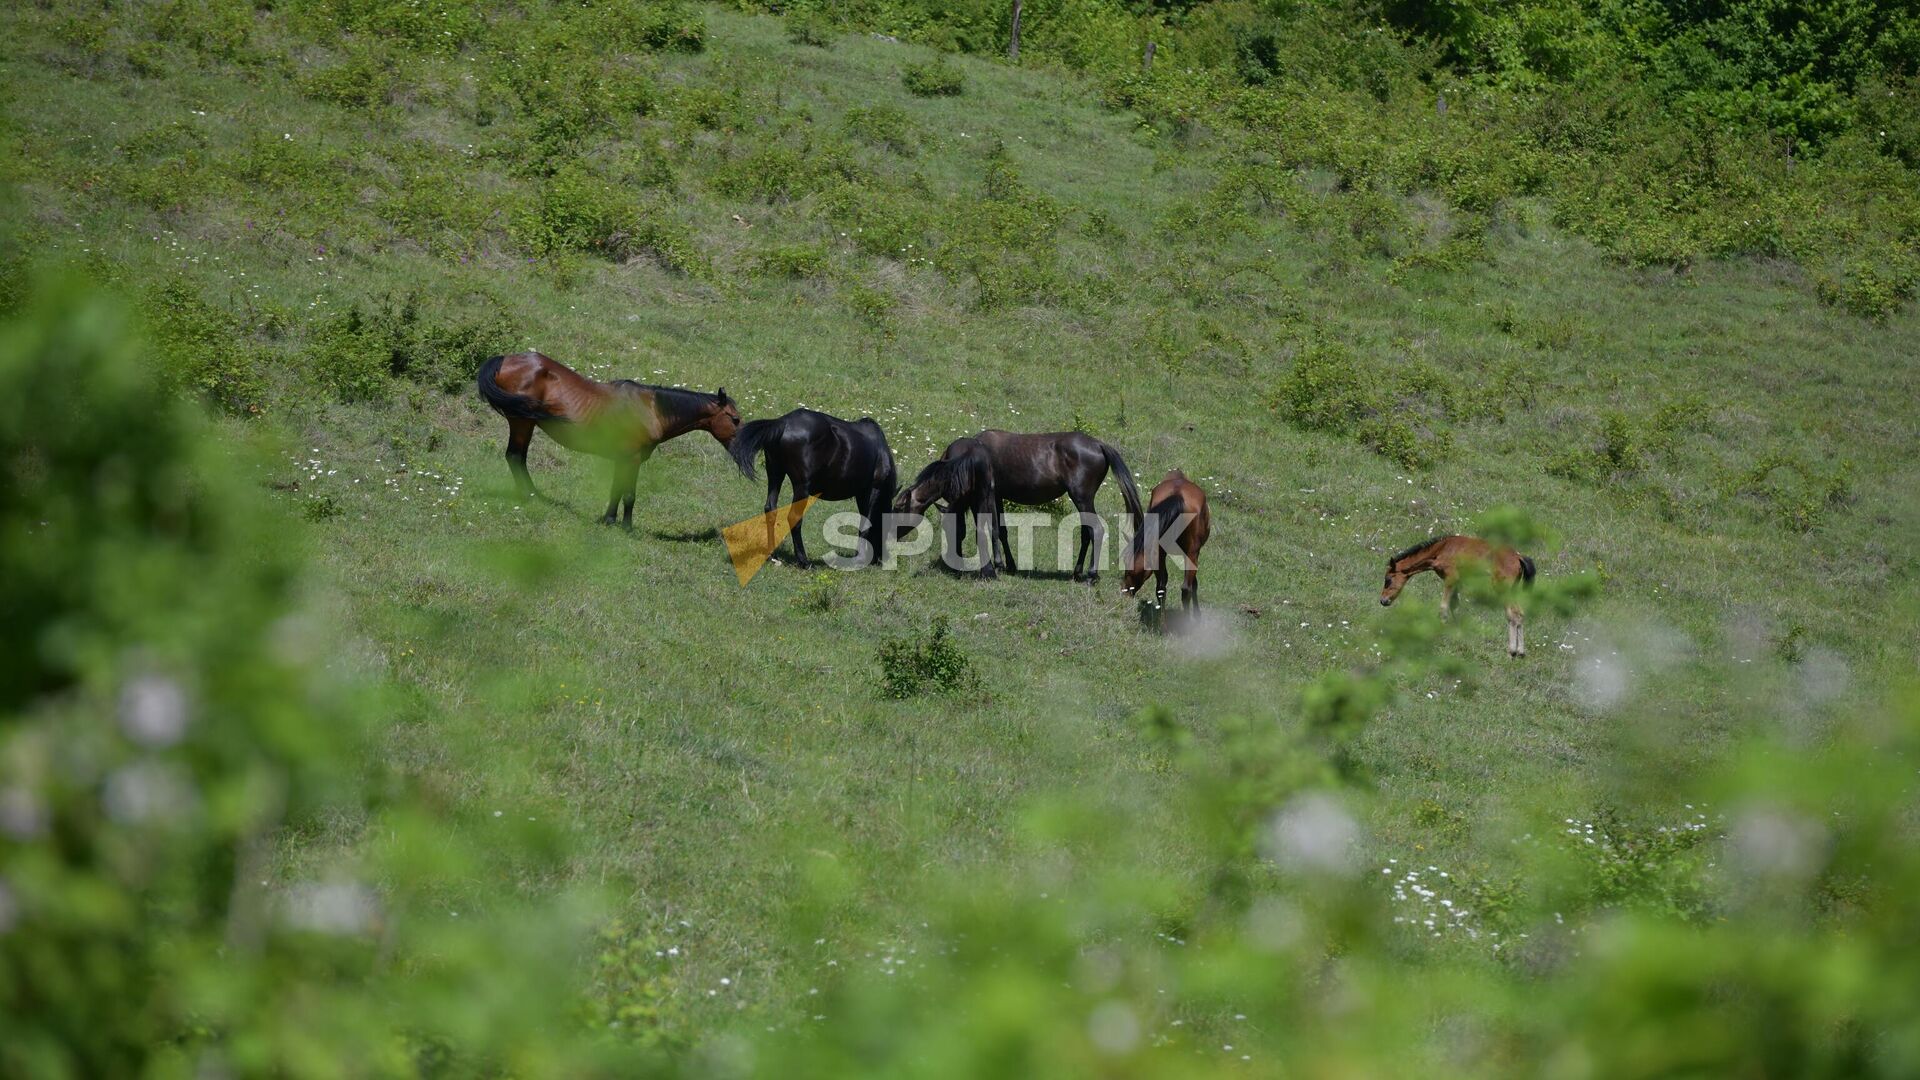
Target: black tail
<point>748,441</point>
<point>1527,570</point>
<point>1128,490</point>
<point>511,406</point>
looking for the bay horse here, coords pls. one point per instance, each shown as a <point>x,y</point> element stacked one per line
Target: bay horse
<point>1176,509</point>
<point>826,457</point>
<point>1037,469</point>
<point>962,478</point>
<point>621,420</point>
<point>1447,556</point>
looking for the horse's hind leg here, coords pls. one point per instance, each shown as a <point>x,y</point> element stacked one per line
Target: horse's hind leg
<point>794,514</point>
<point>1190,591</point>
<point>1516,632</point>
<point>519,435</point>
<point>633,485</point>
<point>1093,540</point>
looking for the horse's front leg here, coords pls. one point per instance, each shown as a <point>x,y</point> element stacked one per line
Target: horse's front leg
<point>984,525</point>
<point>1446,598</point>
<point>632,478</point>
<point>519,435</point>
<point>623,480</point>
<point>1160,582</point>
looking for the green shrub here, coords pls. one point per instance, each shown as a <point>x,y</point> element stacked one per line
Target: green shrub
<point>779,173</point>
<point>365,77</point>
<point>884,126</point>
<point>821,594</point>
<point>1330,389</point>
<point>425,26</point>
<point>220,29</point>
<point>794,261</point>
<point>1792,491</point>
<point>577,210</point>
<point>202,350</point>
<point>933,78</point>
<point>926,662</point>
<point>349,358</point>
<point>811,28</point>
<point>632,994</point>
<point>1873,287</point>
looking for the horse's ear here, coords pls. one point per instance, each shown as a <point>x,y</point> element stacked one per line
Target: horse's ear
<point>721,394</point>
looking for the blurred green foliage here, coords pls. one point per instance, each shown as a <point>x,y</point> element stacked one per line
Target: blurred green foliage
<point>164,720</point>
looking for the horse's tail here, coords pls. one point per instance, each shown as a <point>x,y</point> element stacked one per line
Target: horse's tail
<point>748,441</point>
<point>511,406</point>
<point>1128,490</point>
<point>1527,570</point>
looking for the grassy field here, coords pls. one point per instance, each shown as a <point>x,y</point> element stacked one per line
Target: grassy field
<point>1729,459</point>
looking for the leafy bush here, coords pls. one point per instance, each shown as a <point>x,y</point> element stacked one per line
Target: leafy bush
<point>821,594</point>
<point>884,126</point>
<point>1330,389</point>
<point>220,29</point>
<point>577,210</point>
<point>794,261</point>
<point>1793,491</point>
<point>811,28</point>
<point>926,662</point>
<point>202,350</point>
<point>163,725</point>
<point>1873,287</point>
<point>933,78</point>
<point>363,78</point>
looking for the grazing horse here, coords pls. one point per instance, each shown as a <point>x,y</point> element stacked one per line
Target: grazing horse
<point>825,457</point>
<point>1446,556</point>
<point>1037,469</point>
<point>1176,513</point>
<point>621,420</point>
<point>963,479</point>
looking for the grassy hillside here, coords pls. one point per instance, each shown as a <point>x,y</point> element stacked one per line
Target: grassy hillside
<point>325,233</point>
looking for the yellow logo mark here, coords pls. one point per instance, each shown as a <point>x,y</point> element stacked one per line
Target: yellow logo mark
<point>750,543</point>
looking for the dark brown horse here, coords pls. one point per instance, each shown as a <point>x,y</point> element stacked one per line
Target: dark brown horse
<point>1447,557</point>
<point>1177,522</point>
<point>962,480</point>
<point>1037,469</point>
<point>621,420</point>
<point>828,458</point>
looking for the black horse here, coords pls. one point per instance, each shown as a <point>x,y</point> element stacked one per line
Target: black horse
<point>1037,469</point>
<point>825,457</point>
<point>962,479</point>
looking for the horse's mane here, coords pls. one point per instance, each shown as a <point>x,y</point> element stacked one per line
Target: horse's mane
<point>1415,549</point>
<point>956,477</point>
<point>1165,514</point>
<point>673,402</point>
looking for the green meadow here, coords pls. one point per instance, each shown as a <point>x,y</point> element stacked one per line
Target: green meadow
<point>322,217</point>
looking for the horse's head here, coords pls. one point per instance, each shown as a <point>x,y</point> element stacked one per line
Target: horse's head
<point>1396,580</point>
<point>723,417</point>
<point>912,502</point>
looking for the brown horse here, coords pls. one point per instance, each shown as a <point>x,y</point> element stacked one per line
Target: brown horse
<point>1178,519</point>
<point>621,420</point>
<point>1447,556</point>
